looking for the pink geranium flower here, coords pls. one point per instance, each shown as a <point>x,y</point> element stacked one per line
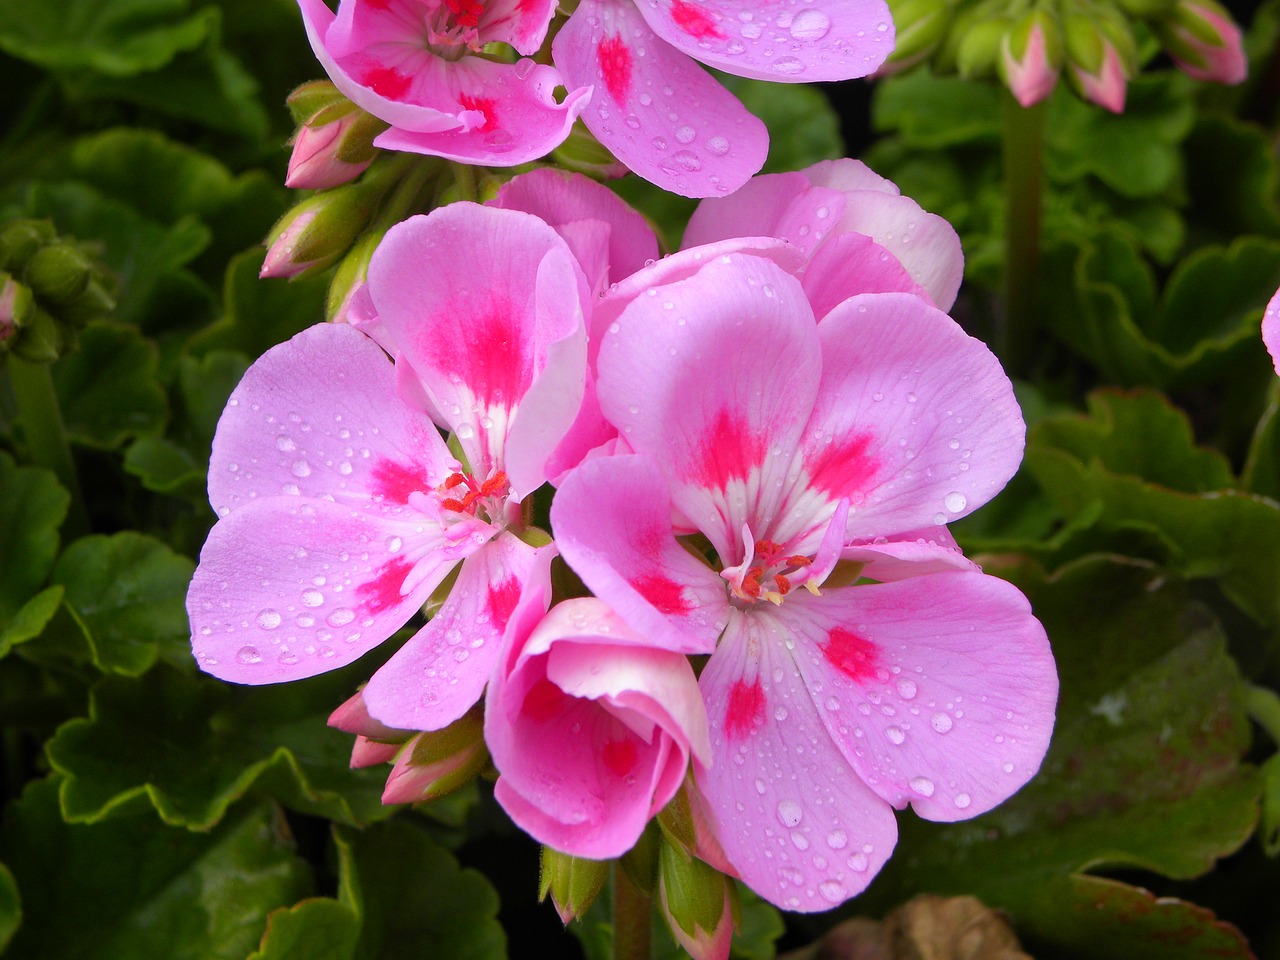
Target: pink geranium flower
<point>591,727</point>
<point>665,117</point>
<point>1271,329</point>
<point>341,508</point>
<point>412,64</point>
<point>807,454</point>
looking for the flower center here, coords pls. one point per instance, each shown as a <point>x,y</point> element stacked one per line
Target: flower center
<point>770,575</point>
<point>455,28</point>
<point>485,501</point>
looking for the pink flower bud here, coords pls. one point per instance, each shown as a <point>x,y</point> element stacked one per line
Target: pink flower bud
<point>333,147</point>
<point>16,306</point>
<point>1030,58</point>
<point>697,903</point>
<point>316,233</point>
<point>1204,42</point>
<point>1099,69</point>
<point>439,762</point>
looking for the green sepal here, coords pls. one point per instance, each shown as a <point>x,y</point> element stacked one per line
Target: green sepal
<point>573,882</point>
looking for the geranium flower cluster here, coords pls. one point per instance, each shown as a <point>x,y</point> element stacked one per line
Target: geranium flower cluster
<point>750,449</point>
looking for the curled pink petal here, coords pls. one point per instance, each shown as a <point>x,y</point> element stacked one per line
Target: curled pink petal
<point>1271,329</point>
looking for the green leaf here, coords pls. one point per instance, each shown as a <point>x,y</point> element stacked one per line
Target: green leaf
<point>132,888</point>
<point>32,508</point>
<point>31,619</point>
<point>108,388</point>
<point>1224,534</point>
<point>1269,830</point>
<point>261,313</point>
<point>192,746</point>
<point>166,467</point>
<point>127,594</point>
<point>1261,473</point>
<point>10,907</point>
<point>1143,772</point>
<point>933,112</point>
<point>1137,153</point>
<point>119,38</point>
<point>1233,178</point>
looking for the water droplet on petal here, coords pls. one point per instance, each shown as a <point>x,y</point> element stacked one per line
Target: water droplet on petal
<point>941,722</point>
<point>962,800</point>
<point>832,890</point>
<point>340,617</point>
<point>837,839</point>
<point>810,25</point>
<point>312,598</point>
<point>906,689</point>
<point>300,468</point>
<point>717,146</point>
<point>788,66</point>
<point>895,735</point>
<point>790,813</point>
<point>249,655</point>
<point>922,786</point>
<point>955,502</point>
<point>269,619</point>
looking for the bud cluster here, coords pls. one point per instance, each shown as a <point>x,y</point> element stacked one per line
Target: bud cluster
<point>49,289</point>
<point>1092,44</point>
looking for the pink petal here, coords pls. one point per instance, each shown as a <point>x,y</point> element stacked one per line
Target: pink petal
<point>846,175</point>
<point>440,673</point>
<point>288,588</point>
<point>782,40</point>
<point>612,522</point>
<point>507,114</point>
<point>1271,329</point>
<point>794,819</point>
<point>590,729</point>
<point>484,304</point>
<point>934,551</point>
<point>849,264</point>
<point>659,113</point>
<point>561,198</point>
<point>729,360</point>
<point>939,689</point>
<point>770,205</point>
<point>302,423</point>
<point>915,422</point>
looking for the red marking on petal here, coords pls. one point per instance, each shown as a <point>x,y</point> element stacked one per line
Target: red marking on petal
<point>694,20</point>
<point>502,600</point>
<point>466,13</point>
<point>843,468</point>
<point>377,4</point>
<point>482,105</point>
<point>746,707</point>
<point>615,67</point>
<point>854,656</point>
<point>386,82</point>
<point>663,593</point>
<point>619,756</point>
<point>384,590</point>
<point>543,701</point>
<point>729,452</point>
<point>396,481</point>
<point>492,353</point>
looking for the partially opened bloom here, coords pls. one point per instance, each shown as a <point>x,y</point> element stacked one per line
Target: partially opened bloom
<point>591,727</point>
<point>413,64</point>
<point>807,454</point>
<point>1271,329</point>
<point>1205,42</point>
<point>665,117</point>
<point>341,508</point>
<point>830,211</point>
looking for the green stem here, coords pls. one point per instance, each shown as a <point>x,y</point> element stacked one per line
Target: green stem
<point>464,179</point>
<point>631,918</point>
<point>1023,154</point>
<point>1263,705</point>
<point>46,438</point>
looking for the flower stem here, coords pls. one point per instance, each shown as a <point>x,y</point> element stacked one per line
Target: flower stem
<point>1023,154</point>
<point>1263,706</point>
<point>631,918</point>
<point>46,438</point>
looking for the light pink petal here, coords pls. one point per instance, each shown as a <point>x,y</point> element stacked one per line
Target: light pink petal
<point>729,362</point>
<point>846,175</point>
<point>291,587</point>
<point>561,198</point>
<point>849,264</point>
<point>926,245</point>
<point>794,819</point>
<point>915,423</point>
<point>657,111</point>
<point>318,416</point>
<point>939,689</point>
<point>612,523</point>
<point>507,114</point>
<point>907,555</point>
<point>440,673</point>
<point>1271,330</point>
<point>483,303</point>
<point>770,205</point>
<point>521,23</point>
<point>782,40</point>
<point>590,730</point>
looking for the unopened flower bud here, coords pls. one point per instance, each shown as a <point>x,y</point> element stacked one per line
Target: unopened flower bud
<point>58,273</point>
<point>344,303</point>
<point>17,305</point>
<point>697,902</point>
<point>977,43</point>
<point>1030,57</point>
<point>20,240</point>
<point>438,762</point>
<point>333,147</point>
<point>920,26</point>
<point>573,882</point>
<point>1204,42</point>
<point>41,339</point>
<point>583,153</point>
<point>310,98</point>
<point>316,233</point>
<point>1101,56</point>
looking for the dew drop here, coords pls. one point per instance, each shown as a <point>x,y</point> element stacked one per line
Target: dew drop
<point>394,544</point>
<point>1007,768</point>
<point>340,617</point>
<point>955,502</point>
<point>906,689</point>
<point>717,146</point>
<point>922,786</point>
<point>249,655</point>
<point>895,735</point>
<point>686,134</point>
<point>810,25</point>
<point>760,786</point>
<point>941,722</point>
<point>284,444</point>
<point>962,800</point>
<point>300,468</point>
<point>269,619</point>
<point>790,813</point>
<point>833,891</point>
<point>837,839</point>
<point>799,840</point>
<point>751,31</point>
<point>312,598</point>
<point>465,431</point>
<point>858,862</point>
<point>659,143</point>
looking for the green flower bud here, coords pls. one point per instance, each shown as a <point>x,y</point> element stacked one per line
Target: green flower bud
<point>978,47</point>
<point>573,882</point>
<point>697,902</point>
<point>20,239</point>
<point>312,97</point>
<point>58,273</point>
<point>318,232</point>
<point>436,763</point>
<point>921,26</point>
<point>41,339</point>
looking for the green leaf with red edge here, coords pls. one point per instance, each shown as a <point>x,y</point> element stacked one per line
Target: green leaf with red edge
<point>134,888</point>
<point>191,746</point>
<point>399,895</point>
<point>1144,772</point>
<point>1133,455</point>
